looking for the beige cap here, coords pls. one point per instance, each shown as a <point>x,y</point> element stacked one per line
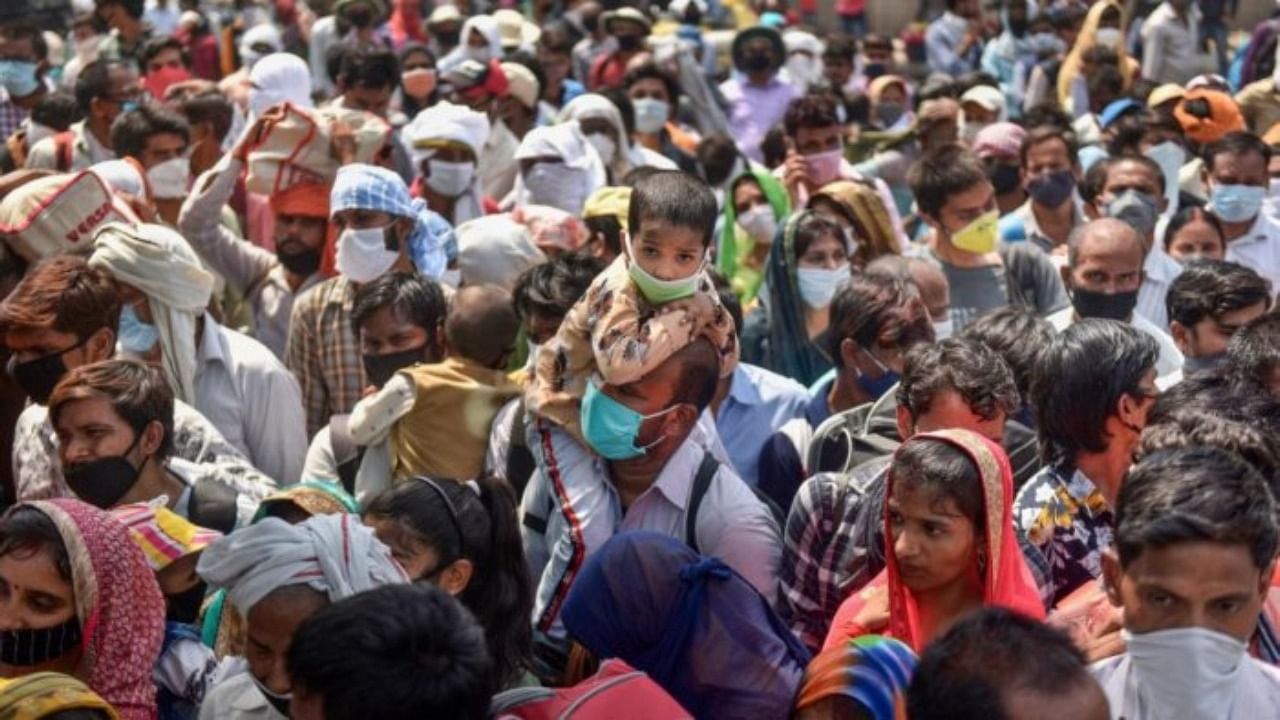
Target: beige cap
<point>522,84</point>
<point>1165,93</point>
<point>443,14</point>
<point>626,13</point>
<point>515,30</point>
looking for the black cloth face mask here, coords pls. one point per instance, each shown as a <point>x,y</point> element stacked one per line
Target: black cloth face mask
<point>28,647</point>
<point>38,377</point>
<point>1107,306</point>
<point>185,606</point>
<point>104,481</point>
<point>381,368</point>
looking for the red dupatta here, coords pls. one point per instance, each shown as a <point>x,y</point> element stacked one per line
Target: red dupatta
<point>1007,582</point>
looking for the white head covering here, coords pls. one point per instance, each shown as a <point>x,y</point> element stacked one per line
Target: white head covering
<point>121,176</point>
<point>261,34</point>
<point>495,250</point>
<point>333,554</point>
<point>458,123</point>
<point>564,141</point>
<point>159,263</point>
<point>591,105</point>
<point>487,26</point>
<point>989,98</point>
<point>277,78</point>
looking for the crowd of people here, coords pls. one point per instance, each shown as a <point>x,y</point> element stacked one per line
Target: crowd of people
<point>671,359</point>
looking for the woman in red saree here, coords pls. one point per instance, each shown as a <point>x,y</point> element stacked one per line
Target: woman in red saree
<point>950,545</point>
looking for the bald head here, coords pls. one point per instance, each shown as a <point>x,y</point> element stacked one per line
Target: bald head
<point>934,289</point>
<point>1107,236</point>
<point>482,325</point>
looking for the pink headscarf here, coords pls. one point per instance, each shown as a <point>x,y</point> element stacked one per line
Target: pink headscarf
<point>118,603</point>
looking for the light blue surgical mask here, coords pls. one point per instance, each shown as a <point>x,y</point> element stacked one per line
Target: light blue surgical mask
<point>1236,203</point>
<point>610,427</point>
<point>135,336</point>
<point>19,77</point>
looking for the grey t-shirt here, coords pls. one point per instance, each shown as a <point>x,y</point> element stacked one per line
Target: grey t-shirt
<point>1027,277</point>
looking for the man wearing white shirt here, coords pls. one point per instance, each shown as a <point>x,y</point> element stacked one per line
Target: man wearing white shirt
<point>1235,170</point>
<point>1104,271</point>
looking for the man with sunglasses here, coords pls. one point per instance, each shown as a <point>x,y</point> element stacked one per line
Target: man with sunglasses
<point>104,90</point>
<point>1091,391</point>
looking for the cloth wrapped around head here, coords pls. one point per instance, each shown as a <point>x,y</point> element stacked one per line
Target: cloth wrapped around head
<point>495,250</point>
<point>552,229</point>
<point>118,603</point>
<point>276,78</point>
<point>694,625</point>
<point>333,554</point>
<point>160,264</point>
<point>311,200</point>
<point>583,172</point>
<point>446,125</point>
<point>41,695</point>
<point>163,535</point>
<point>369,187</point>
<point>872,671</point>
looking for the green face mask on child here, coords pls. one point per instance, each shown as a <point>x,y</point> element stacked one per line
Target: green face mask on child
<point>657,290</point>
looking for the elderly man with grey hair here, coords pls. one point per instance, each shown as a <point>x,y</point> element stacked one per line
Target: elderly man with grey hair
<point>1103,275</point>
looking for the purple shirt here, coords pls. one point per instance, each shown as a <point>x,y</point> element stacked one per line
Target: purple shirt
<point>753,109</point>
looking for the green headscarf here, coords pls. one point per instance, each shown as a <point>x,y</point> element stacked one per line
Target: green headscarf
<point>746,280</point>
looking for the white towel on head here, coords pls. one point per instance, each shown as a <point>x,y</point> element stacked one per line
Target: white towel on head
<point>333,554</point>
<point>277,78</point>
<point>161,265</point>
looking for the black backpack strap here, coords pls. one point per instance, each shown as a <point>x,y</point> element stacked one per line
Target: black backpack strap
<point>213,506</point>
<point>701,484</point>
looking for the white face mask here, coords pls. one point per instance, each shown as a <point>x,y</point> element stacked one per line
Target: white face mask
<point>479,54</point>
<point>605,146</point>
<point>819,285</point>
<point>87,49</point>
<point>1181,673</point>
<point>969,131</point>
<point>651,114</point>
<point>170,178</point>
<point>555,185</point>
<point>1108,37</point>
<point>363,255</point>
<point>450,179</point>
<point>803,70</point>
<point>1273,189</point>
<point>1170,157</point>
<point>759,223</point>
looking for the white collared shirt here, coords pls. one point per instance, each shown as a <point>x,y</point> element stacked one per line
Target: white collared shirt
<point>1259,249</point>
<point>732,524</point>
<point>1161,270</point>
<point>237,699</point>
<point>247,393</point>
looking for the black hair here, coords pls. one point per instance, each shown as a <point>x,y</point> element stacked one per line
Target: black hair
<point>1253,354</point>
<point>56,110</point>
<point>76,714</point>
<point>25,31</point>
<point>209,106</point>
<point>1193,427</point>
<point>482,329</point>
<point>699,373</point>
<point>971,369</point>
<point>1100,55</point>
<point>870,303</point>
<point>809,226</point>
<point>943,471</point>
<point>1210,289</point>
<point>133,7</point>
<point>622,101</point>
<point>131,130</point>
<point>815,110</point>
<point>840,47</point>
<point>1236,143</point>
<point>636,174</point>
<point>411,296</point>
<point>936,88</point>
<point>717,154</point>
<point>94,80</point>
<point>396,652</point>
<point>949,170</point>
<point>965,673</point>
<point>1095,179</point>
<point>482,526</point>
<point>975,78</point>
<point>677,197</point>
<point>333,59</point>
<point>1045,133</point>
<point>1188,215</point>
<point>609,228</point>
<point>158,44</point>
<point>553,287</point>
<point>1017,334</point>
<point>1046,114</point>
<point>373,68</point>
<point>651,71</point>
<point>558,37</point>
<point>25,529</point>
<point>1106,81</point>
<point>1195,494</point>
<point>1079,380</point>
<point>773,146</point>
<point>1218,392</point>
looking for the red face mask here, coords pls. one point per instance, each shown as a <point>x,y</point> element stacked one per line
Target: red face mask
<point>159,81</point>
